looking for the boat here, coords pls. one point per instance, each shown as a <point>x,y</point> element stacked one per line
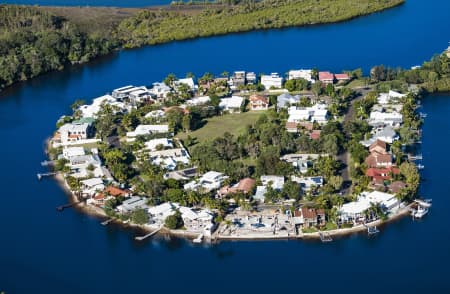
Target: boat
<point>420,166</point>
<point>199,239</point>
<point>420,212</point>
<point>372,230</point>
<point>424,203</point>
<point>325,237</point>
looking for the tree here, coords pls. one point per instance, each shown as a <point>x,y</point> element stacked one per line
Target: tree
<point>292,190</point>
<point>170,79</point>
<point>336,182</point>
<point>75,105</point>
<point>317,88</point>
<point>139,216</point>
<point>186,122</point>
<point>174,221</point>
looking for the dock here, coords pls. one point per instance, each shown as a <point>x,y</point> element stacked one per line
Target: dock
<point>62,207</point>
<point>141,238</point>
<point>106,222</point>
<point>40,176</point>
<point>47,162</point>
<point>325,237</point>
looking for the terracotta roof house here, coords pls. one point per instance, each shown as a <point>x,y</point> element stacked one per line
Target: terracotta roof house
<point>315,134</point>
<point>343,77</point>
<point>379,160</point>
<point>117,192</point>
<point>258,102</point>
<point>326,77</point>
<point>293,127</point>
<point>382,173</point>
<point>378,146</point>
<point>311,217</point>
<point>396,187</point>
<point>245,186</point>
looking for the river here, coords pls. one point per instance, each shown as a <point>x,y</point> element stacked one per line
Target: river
<point>43,251</point>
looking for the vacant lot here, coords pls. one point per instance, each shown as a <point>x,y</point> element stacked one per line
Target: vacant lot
<point>217,126</point>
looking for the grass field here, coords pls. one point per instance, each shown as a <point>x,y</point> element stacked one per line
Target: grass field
<point>215,127</point>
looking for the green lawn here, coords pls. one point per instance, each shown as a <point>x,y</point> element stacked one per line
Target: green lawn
<point>218,125</point>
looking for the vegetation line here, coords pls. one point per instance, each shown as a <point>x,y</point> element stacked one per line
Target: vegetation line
<point>36,40</point>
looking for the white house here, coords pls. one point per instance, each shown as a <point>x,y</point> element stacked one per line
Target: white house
<point>386,98</point>
<point>187,81</point>
<point>161,90</point>
<point>69,152</point>
<point>155,114</point>
<point>232,104</point>
<point>153,144</point>
<point>272,80</point>
<point>198,101</point>
<point>386,134</point>
<point>316,113</point>
<point>307,183</point>
<point>393,118</point>
<point>210,181</point>
<point>354,211</point>
<point>286,99</point>
<point>305,74</point>
<point>277,182</point>
<point>132,204</point>
<point>91,186</point>
<point>142,130</point>
<point>73,132</point>
<point>169,158</point>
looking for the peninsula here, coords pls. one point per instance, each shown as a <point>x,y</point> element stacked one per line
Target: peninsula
<point>36,40</point>
<point>247,156</point>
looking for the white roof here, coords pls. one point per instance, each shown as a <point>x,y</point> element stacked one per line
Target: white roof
<point>186,81</point>
<point>365,201</point>
<point>148,129</point>
<point>71,127</point>
<point>92,182</point>
<point>198,100</point>
<point>212,175</point>
<point>231,102</point>
<point>152,144</point>
<point>155,113</point>
<point>161,209</point>
<point>73,151</point>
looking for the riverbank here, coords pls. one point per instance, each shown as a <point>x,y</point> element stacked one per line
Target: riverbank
<point>98,31</point>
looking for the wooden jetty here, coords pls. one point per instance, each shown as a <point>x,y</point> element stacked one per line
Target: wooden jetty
<point>325,237</point>
<point>40,176</point>
<point>140,238</point>
<point>62,207</point>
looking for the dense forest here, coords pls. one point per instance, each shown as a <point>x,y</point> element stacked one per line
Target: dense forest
<point>36,40</point>
<point>33,41</point>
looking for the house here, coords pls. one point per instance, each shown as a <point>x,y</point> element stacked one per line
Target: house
<point>237,79</point>
<point>251,78</point>
<point>200,221</point>
<point>110,192</point>
<point>181,175</point>
<point>198,101</point>
<point>73,132</point>
<point>155,144</point>
<point>69,152</point>
<point>326,77</point>
<point>93,109</point>
<point>90,187</point>
<point>132,204</point>
<point>396,187</point>
<point>258,102</point>
<point>316,113</point>
<point>393,118</point>
<point>209,181</point>
<point>308,183</point>
<point>272,80</point>
<point>169,158</point>
<point>354,211</point>
<point>231,104</point>
<point>142,130</point>
<point>386,134</point>
<point>343,77</point>
<point>285,100</point>
<point>386,98</point>
<point>378,146</point>
<point>124,92</point>
<point>260,194</point>
<point>277,182</point>
<point>305,74</point>
<point>155,114</point>
<point>161,90</point>
<point>244,186</point>
<point>187,81</point>
<point>142,95</point>
<point>309,217</point>
<point>381,174</point>
<point>294,127</point>
<point>379,160</point>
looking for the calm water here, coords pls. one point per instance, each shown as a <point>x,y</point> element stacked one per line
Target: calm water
<point>47,252</point>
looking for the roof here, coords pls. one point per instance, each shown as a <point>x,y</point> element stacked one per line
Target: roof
<point>326,75</point>
<point>114,191</point>
<point>231,102</point>
<point>395,187</point>
<point>342,76</point>
<point>308,212</point>
<point>255,98</point>
<point>378,143</point>
<point>246,184</point>
<point>92,182</point>
<point>375,159</point>
<point>383,173</point>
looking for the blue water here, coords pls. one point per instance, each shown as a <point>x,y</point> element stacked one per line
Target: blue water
<point>42,251</point>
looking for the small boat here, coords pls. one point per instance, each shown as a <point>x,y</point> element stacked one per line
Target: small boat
<point>372,230</point>
<point>424,203</point>
<point>420,166</point>
<point>325,237</point>
<point>420,212</point>
<point>199,239</point>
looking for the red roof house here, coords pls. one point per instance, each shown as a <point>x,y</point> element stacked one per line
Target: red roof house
<point>326,77</point>
<point>258,102</point>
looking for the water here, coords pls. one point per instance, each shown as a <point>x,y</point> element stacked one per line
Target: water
<point>43,251</point>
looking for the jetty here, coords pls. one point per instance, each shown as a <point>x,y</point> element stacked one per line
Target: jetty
<point>141,238</point>
<point>199,239</point>
<point>325,237</point>
<point>42,175</point>
<point>106,222</point>
<point>47,162</point>
<point>372,230</point>
<point>62,207</point>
